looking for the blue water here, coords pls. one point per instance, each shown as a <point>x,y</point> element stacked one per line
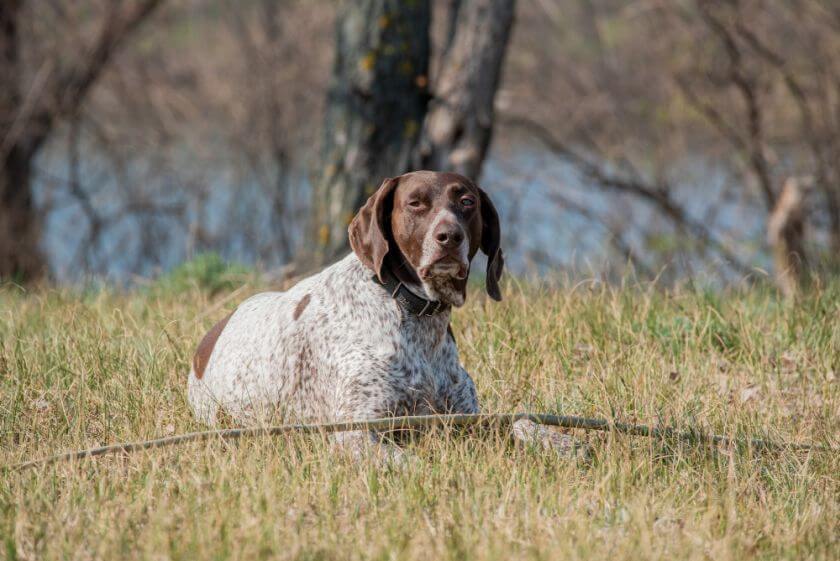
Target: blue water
<point>553,219</point>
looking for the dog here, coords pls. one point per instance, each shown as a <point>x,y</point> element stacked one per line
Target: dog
<point>369,336</point>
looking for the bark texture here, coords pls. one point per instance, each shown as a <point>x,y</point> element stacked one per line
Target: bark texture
<point>20,253</point>
<point>459,123</point>
<point>20,256</point>
<point>375,110</point>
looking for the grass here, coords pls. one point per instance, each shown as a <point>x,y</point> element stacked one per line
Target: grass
<point>82,369</point>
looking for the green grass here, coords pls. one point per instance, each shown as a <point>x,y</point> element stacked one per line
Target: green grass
<point>78,370</point>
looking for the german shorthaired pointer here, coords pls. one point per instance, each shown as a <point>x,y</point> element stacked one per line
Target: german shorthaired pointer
<point>369,336</point>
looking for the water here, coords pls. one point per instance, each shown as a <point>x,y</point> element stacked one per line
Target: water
<point>155,214</point>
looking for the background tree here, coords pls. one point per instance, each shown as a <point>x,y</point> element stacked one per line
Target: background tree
<point>459,124</point>
<point>379,105</point>
<point>30,108</point>
<point>608,148</point>
<point>743,90</point>
<point>375,108</point>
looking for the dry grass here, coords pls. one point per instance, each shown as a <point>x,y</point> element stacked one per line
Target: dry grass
<point>83,369</point>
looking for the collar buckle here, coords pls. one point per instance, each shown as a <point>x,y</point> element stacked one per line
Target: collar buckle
<point>412,303</point>
<point>437,305</point>
<point>397,289</point>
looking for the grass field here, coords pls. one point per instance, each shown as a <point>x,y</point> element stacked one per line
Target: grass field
<point>79,369</point>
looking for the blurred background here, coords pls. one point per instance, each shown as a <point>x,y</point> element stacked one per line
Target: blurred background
<point>683,140</point>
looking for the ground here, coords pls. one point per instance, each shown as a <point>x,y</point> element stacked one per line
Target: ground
<point>83,368</point>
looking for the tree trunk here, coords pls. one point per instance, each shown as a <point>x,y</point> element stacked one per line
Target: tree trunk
<point>453,9</point>
<point>459,125</point>
<point>20,255</point>
<point>375,109</point>
<point>786,237</point>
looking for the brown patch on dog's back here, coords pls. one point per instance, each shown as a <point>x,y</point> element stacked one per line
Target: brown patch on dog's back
<point>304,302</point>
<point>205,348</point>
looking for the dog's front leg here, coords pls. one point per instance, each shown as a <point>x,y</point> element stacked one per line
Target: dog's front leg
<point>362,399</point>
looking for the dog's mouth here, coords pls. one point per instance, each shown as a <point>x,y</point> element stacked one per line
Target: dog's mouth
<point>446,267</point>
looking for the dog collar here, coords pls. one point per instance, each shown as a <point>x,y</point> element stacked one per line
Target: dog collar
<point>410,302</point>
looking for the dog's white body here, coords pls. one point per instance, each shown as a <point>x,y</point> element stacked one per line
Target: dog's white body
<point>334,347</point>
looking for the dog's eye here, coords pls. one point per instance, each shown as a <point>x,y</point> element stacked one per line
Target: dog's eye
<point>468,202</point>
<point>415,203</point>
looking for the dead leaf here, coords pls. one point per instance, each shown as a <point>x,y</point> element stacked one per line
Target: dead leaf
<point>788,360</point>
<point>748,393</point>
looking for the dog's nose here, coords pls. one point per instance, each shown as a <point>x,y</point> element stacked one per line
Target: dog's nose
<point>449,236</point>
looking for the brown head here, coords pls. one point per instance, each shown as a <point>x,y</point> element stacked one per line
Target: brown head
<point>426,227</point>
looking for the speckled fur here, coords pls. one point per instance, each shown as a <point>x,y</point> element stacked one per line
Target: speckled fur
<point>352,353</point>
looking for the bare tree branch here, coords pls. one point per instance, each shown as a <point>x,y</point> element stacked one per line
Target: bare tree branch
<point>658,195</point>
<point>73,83</point>
<point>748,91</point>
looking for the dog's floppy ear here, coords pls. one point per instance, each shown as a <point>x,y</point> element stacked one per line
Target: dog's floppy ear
<point>491,238</point>
<point>369,228</point>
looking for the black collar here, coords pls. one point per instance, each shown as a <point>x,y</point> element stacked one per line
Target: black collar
<point>413,304</point>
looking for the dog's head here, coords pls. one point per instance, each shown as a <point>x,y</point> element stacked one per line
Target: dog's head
<point>429,225</point>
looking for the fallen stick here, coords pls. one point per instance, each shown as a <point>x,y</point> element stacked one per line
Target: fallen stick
<point>402,423</point>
